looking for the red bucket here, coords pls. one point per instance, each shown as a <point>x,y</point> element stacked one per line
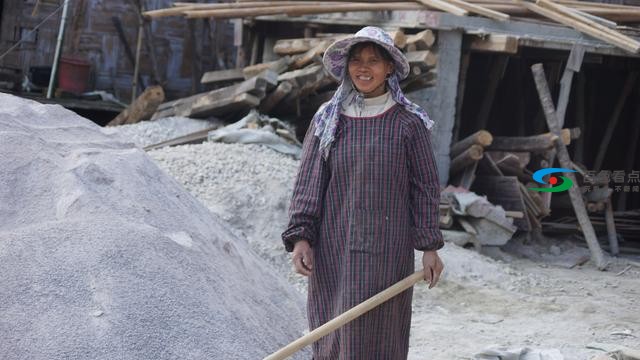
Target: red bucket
<point>73,74</point>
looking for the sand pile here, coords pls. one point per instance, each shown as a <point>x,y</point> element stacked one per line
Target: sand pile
<point>104,256</point>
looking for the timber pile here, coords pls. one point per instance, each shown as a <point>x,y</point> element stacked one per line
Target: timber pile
<point>294,84</point>
<point>500,167</point>
<point>595,19</point>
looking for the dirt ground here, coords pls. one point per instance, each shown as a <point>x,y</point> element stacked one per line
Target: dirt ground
<point>525,303</point>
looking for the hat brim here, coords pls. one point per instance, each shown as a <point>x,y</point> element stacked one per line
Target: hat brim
<point>335,57</point>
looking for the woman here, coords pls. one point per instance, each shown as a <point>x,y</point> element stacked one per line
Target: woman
<point>366,195</point>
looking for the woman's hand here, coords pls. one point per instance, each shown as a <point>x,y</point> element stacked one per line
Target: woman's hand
<point>432,267</point>
<point>303,257</point>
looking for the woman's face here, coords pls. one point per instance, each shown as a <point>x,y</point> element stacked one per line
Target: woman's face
<point>368,71</point>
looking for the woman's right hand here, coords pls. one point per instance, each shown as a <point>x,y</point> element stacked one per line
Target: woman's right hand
<point>303,257</point>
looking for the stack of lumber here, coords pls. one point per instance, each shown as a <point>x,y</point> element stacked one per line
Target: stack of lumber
<point>501,168</point>
<point>595,19</point>
<point>294,84</point>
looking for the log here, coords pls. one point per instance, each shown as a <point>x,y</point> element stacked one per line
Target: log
<point>422,58</point>
<point>563,156</point>
<point>142,108</point>
<point>399,38</point>
<point>466,158</point>
<point>212,77</point>
<point>423,40</point>
<point>273,99</point>
<point>481,137</point>
<point>535,143</point>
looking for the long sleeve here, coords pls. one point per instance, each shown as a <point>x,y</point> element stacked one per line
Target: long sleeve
<point>424,185</point>
<point>305,211</point>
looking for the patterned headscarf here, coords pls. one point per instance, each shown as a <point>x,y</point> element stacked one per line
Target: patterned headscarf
<point>327,117</point>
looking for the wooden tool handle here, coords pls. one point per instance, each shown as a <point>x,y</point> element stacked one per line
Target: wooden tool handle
<point>347,316</point>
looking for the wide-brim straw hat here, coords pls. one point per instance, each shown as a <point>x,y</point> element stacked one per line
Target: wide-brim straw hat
<point>335,57</point>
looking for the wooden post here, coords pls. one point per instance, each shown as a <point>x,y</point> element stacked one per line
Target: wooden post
<point>632,151</point>
<point>611,228</point>
<point>136,69</point>
<point>613,121</point>
<point>563,156</point>
<point>495,75</point>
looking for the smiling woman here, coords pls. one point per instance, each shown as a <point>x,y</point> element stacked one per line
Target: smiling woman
<point>365,197</point>
<point>369,67</point>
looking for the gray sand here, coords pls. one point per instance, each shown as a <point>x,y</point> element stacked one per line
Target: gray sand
<point>104,256</point>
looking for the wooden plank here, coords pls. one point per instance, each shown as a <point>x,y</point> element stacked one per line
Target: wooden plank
<point>495,43</point>
<point>480,10</point>
<point>299,46</point>
<point>197,137</point>
<point>278,67</point>
<point>189,106</point>
<point>212,77</point>
<point>444,6</point>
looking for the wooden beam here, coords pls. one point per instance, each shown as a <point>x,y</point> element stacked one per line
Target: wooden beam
<point>444,6</point>
<point>480,10</point>
<point>466,158</point>
<point>424,58</point>
<point>563,156</point>
<point>212,77</point>
<point>495,43</point>
<point>613,120</point>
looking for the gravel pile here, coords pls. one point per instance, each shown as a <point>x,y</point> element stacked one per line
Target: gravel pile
<point>104,256</point>
<point>249,186</point>
<point>152,132</point>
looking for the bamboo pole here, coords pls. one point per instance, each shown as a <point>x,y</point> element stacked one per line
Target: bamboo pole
<point>347,316</point>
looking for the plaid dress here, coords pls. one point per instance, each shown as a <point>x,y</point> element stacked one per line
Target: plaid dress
<point>364,210</point>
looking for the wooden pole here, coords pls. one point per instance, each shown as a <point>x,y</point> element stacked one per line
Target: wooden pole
<point>613,121</point>
<point>347,316</point>
<point>563,156</point>
<point>136,69</point>
<point>611,228</point>
<point>295,10</point>
<point>480,10</point>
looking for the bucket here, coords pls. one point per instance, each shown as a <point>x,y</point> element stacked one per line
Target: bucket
<point>73,74</point>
